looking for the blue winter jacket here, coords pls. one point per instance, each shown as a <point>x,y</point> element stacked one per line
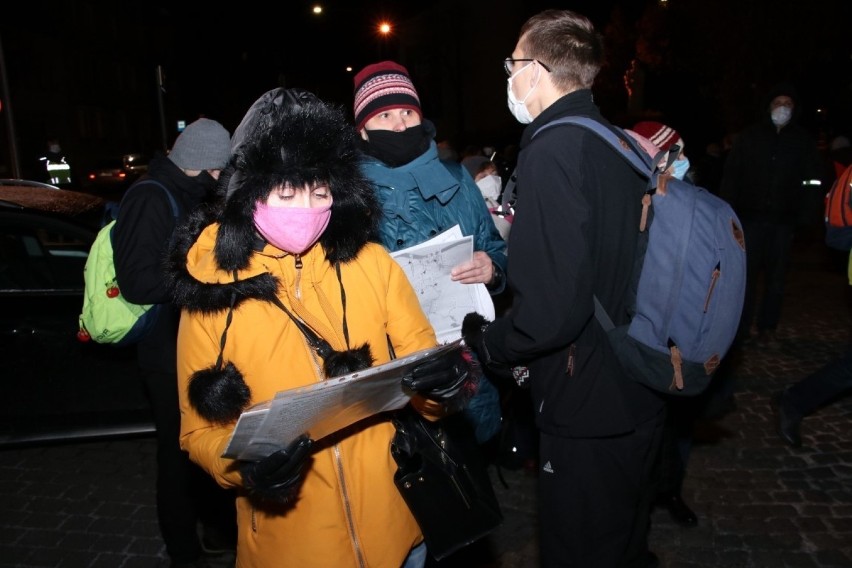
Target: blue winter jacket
<point>420,200</point>
<point>428,196</point>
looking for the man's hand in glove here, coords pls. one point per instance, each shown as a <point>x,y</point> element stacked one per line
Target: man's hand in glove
<point>473,333</point>
<point>277,478</point>
<point>441,379</point>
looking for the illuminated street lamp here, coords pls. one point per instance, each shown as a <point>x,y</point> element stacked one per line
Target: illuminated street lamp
<point>385,28</point>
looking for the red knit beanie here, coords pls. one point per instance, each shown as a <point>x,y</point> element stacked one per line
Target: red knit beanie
<point>660,135</point>
<point>382,86</point>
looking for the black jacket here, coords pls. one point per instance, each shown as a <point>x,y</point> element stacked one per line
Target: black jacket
<point>574,236</point>
<point>764,172</point>
<point>140,240</point>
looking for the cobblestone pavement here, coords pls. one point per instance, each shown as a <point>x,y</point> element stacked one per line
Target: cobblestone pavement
<point>760,503</point>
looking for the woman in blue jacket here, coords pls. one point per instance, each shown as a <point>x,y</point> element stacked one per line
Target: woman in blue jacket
<point>422,196</point>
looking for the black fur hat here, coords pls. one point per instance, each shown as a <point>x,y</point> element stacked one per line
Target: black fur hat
<point>293,137</point>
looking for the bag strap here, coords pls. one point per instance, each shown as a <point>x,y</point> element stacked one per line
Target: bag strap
<point>152,181</point>
<point>629,150</point>
<point>624,146</point>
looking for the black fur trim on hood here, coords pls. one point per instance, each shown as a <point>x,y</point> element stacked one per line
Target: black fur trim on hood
<point>189,293</point>
<point>290,136</point>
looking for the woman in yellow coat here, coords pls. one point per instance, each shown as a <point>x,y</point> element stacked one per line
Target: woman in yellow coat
<point>295,224</point>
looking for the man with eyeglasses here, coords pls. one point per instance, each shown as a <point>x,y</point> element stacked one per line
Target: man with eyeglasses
<point>573,240</point>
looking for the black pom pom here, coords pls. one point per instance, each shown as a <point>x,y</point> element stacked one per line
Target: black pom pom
<point>349,361</point>
<point>219,395</point>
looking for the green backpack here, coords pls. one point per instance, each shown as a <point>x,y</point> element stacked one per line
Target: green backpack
<point>107,317</point>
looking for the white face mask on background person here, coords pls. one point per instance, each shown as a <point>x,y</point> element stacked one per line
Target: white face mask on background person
<point>781,115</point>
<point>518,108</point>
<point>680,167</point>
<point>490,187</point>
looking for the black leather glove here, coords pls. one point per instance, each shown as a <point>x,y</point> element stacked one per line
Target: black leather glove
<point>440,379</point>
<point>278,477</point>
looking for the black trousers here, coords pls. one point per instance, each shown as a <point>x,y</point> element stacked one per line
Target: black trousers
<point>186,495</point>
<point>823,385</point>
<point>595,497</point>
<point>768,253</point>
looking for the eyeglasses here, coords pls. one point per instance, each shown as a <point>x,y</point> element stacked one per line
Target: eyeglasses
<point>509,64</point>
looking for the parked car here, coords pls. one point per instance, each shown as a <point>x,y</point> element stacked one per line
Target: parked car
<point>116,173</point>
<point>56,387</point>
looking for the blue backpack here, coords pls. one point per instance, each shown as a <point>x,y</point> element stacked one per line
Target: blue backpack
<point>691,285</point>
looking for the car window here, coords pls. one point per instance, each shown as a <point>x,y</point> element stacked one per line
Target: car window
<point>41,254</point>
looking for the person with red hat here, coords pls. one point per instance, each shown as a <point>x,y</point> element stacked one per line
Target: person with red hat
<point>664,138</point>
<point>422,195</point>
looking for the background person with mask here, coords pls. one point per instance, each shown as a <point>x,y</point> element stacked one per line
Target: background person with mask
<point>422,196</point>
<point>142,233</point>
<point>771,177</point>
<point>680,411</point>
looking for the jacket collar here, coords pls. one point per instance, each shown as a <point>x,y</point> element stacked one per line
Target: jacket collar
<point>576,103</point>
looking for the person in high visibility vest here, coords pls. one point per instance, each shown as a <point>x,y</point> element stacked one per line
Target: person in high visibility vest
<point>55,167</point>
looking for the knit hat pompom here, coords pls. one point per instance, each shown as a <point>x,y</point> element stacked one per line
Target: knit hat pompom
<point>203,145</point>
<point>383,86</point>
<point>660,135</point>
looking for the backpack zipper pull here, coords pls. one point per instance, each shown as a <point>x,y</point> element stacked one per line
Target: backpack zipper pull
<point>646,204</point>
<point>677,361</point>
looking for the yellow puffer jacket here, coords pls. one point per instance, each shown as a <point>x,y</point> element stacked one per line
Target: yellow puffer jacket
<point>349,513</point>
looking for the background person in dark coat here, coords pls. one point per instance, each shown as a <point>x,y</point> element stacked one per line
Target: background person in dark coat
<point>771,179</point>
<point>574,237</point>
<point>185,494</point>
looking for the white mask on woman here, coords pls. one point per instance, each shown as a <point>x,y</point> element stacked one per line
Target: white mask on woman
<point>490,187</point>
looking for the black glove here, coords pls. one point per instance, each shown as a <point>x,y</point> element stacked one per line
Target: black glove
<point>440,379</point>
<point>278,477</point>
<point>473,333</point>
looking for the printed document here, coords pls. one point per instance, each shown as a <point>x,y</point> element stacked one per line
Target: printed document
<point>325,407</point>
<point>445,302</point>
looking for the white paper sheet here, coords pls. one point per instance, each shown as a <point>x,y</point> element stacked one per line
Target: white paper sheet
<point>445,302</point>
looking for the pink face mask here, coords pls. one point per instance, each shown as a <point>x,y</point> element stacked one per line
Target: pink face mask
<point>292,229</point>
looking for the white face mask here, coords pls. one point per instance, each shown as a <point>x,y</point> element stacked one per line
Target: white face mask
<point>680,167</point>
<point>490,187</point>
<point>781,115</point>
<point>518,108</point>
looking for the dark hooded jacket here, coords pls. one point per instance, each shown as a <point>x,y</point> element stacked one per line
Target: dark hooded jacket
<point>237,348</point>
<point>767,167</point>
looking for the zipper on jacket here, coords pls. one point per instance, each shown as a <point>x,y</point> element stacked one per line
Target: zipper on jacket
<point>570,368</point>
<point>298,281</point>
<point>347,507</point>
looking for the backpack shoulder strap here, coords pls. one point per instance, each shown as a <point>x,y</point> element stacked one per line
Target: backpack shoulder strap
<point>172,200</point>
<point>625,146</point>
